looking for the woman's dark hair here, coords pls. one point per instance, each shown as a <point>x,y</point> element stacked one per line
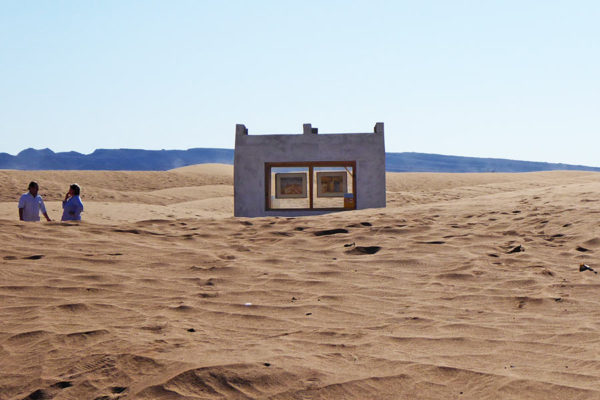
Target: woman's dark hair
<point>76,189</point>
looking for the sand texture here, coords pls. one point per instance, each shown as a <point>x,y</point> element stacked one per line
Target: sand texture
<point>467,286</point>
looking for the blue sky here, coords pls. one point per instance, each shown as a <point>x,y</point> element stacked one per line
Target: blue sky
<point>506,79</point>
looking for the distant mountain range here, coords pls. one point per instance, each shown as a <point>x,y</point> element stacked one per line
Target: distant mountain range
<point>160,160</point>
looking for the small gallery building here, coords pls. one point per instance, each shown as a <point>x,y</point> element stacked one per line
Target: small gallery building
<point>309,173</point>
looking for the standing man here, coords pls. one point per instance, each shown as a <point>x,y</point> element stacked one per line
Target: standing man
<point>31,203</point>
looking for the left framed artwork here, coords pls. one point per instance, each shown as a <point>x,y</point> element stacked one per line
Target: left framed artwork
<point>290,185</point>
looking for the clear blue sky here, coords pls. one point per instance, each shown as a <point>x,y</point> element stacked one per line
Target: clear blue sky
<point>507,79</point>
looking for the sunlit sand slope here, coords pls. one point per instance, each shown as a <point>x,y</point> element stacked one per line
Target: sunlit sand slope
<point>465,287</point>
<point>115,196</point>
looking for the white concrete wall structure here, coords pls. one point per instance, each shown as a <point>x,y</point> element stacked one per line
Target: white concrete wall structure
<point>253,151</point>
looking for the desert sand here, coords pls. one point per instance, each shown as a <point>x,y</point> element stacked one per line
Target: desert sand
<point>467,286</point>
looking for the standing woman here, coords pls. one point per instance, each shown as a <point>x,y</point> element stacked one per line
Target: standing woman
<point>72,205</point>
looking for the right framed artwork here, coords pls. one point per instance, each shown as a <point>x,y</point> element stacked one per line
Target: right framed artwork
<point>331,183</point>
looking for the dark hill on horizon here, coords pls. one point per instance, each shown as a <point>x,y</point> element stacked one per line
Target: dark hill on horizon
<point>161,160</point>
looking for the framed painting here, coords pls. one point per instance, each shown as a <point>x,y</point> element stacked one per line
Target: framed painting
<point>331,183</point>
<point>290,185</point>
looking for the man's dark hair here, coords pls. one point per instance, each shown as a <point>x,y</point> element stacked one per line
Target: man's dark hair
<point>32,184</point>
<point>76,189</point>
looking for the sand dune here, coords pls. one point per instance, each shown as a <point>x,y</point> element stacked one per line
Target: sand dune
<point>128,196</point>
<point>466,287</point>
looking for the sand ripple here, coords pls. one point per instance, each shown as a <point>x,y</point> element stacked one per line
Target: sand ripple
<point>427,299</point>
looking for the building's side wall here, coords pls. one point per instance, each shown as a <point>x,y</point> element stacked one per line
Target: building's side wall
<point>252,152</point>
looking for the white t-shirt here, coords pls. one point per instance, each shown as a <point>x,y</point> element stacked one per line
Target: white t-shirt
<point>31,206</point>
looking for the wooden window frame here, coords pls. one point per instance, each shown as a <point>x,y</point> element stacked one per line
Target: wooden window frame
<point>311,165</point>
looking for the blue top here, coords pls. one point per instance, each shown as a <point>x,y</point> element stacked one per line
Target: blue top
<point>72,209</point>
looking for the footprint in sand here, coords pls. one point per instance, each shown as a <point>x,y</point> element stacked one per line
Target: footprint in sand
<point>364,250</point>
<point>39,395</point>
<point>62,384</point>
<point>49,393</point>
<point>516,249</point>
<point>330,232</point>
<point>361,224</point>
